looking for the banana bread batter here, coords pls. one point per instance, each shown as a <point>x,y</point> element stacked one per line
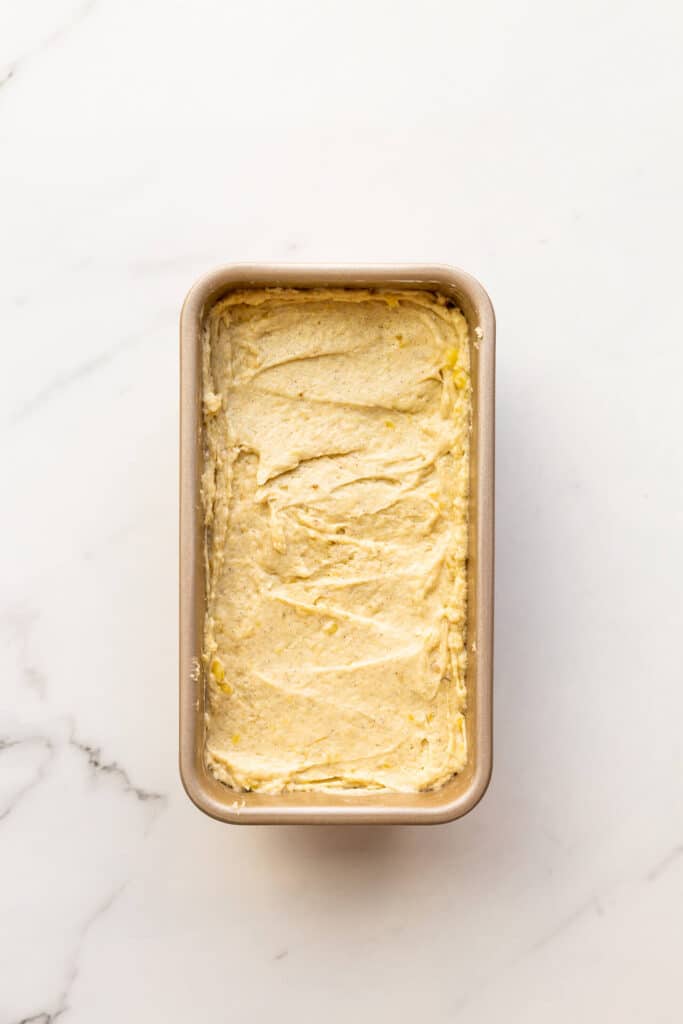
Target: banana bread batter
<point>335,491</point>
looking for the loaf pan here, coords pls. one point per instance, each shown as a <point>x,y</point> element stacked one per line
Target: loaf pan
<point>460,794</point>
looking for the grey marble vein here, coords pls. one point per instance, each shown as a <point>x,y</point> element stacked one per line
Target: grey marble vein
<point>49,750</point>
<point>62,1001</point>
<point>17,622</point>
<point>10,70</point>
<point>590,906</point>
<point>62,381</point>
<point>113,768</point>
<point>95,762</point>
<point>665,863</point>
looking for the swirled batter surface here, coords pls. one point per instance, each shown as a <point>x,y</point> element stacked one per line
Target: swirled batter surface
<point>335,490</point>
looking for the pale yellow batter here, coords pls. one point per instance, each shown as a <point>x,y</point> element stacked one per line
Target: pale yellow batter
<point>335,492</point>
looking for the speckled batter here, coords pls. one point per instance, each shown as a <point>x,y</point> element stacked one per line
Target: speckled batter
<point>335,491</point>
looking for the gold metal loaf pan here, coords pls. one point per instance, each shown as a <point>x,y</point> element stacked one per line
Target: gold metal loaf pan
<point>462,792</point>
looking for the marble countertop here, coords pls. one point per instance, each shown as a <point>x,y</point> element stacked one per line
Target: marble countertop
<point>536,146</point>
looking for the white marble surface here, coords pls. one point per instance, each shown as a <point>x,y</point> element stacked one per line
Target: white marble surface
<point>537,145</point>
